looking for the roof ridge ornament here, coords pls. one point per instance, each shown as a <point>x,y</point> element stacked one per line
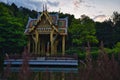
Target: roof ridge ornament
<point>59,10</point>
<point>43,7</point>
<point>46,7</point>
<point>44,2</point>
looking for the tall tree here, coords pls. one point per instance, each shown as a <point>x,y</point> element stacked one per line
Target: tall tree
<point>104,32</point>
<point>115,17</point>
<point>109,31</point>
<point>83,31</point>
<point>116,21</point>
<point>12,37</point>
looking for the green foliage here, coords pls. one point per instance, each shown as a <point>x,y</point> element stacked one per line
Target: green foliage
<point>94,55</point>
<point>115,17</point>
<point>12,38</point>
<point>82,56</point>
<point>80,31</point>
<point>12,25</point>
<point>108,50</point>
<point>109,31</point>
<point>116,49</point>
<point>83,31</point>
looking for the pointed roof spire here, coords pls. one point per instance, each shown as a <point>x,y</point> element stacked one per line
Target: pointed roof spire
<point>59,10</point>
<point>46,7</point>
<point>43,7</point>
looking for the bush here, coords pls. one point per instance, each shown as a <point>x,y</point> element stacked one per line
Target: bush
<point>117,48</point>
<point>103,68</point>
<point>94,55</point>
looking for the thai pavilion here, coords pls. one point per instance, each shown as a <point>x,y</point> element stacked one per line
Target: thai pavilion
<point>45,33</point>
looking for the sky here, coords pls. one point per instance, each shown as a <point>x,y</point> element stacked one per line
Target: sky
<point>98,10</point>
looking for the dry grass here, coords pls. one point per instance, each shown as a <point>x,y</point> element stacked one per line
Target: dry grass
<point>104,68</point>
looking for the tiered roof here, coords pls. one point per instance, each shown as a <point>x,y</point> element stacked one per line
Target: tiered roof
<point>60,25</point>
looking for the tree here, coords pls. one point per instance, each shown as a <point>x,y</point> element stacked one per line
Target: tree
<point>104,32</point>
<point>14,9</point>
<point>115,17</point>
<point>12,37</point>
<point>116,21</point>
<point>83,31</point>
<point>117,48</point>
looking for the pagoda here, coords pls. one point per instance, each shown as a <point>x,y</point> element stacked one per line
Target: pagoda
<point>46,36</point>
<point>46,32</point>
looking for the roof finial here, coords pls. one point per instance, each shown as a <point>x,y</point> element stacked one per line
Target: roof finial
<point>43,7</point>
<point>59,10</point>
<point>46,7</point>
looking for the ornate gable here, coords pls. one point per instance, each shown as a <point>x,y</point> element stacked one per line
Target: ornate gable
<point>47,22</point>
<point>43,26</point>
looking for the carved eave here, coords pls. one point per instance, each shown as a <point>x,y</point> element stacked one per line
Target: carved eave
<point>59,25</point>
<point>49,18</point>
<point>30,26</point>
<point>63,27</point>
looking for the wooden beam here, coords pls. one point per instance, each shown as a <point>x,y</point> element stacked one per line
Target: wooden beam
<point>42,45</point>
<point>33,47</point>
<point>48,48</point>
<point>35,38</point>
<point>48,18</point>
<point>55,46</point>
<point>28,45</point>
<point>63,44</point>
<point>51,40</point>
<point>39,45</point>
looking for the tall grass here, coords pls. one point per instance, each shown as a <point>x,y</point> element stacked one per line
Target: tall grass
<point>103,68</point>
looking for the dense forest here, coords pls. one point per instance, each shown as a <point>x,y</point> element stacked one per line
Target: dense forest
<point>82,32</point>
<point>100,39</point>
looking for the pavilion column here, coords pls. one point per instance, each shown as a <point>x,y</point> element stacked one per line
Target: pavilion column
<point>63,44</point>
<point>33,47</point>
<point>28,44</point>
<point>48,48</point>
<point>55,46</point>
<point>39,45</point>
<point>51,40</point>
<point>36,47</point>
<point>36,38</point>
<point>42,47</point>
